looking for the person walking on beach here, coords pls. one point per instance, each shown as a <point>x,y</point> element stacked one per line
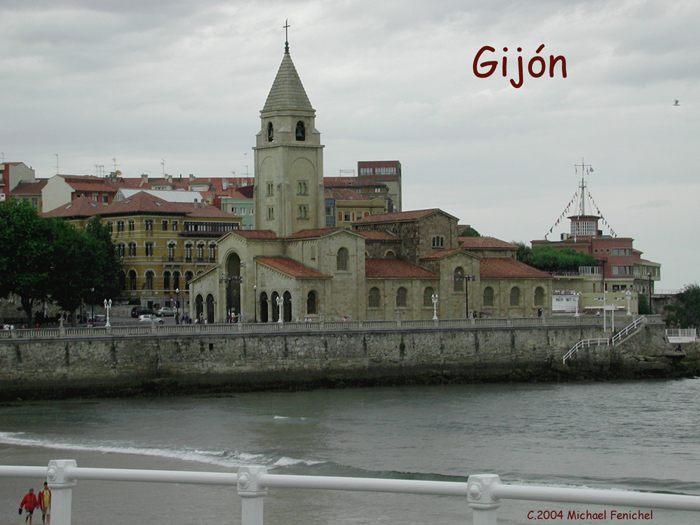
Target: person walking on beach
<point>29,503</point>
<point>45,504</point>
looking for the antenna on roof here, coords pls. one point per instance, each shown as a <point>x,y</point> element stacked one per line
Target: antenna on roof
<point>162,163</point>
<point>114,159</point>
<point>56,154</point>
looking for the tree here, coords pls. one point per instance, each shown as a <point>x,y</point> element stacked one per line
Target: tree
<point>548,259</point>
<point>524,253</point>
<point>25,266</point>
<point>685,312</point>
<point>470,232</point>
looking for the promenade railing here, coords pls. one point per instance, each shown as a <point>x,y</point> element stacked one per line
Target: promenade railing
<point>485,492</point>
<point>250,328</point>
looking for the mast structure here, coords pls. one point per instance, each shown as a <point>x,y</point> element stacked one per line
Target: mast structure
<point>585,168</point>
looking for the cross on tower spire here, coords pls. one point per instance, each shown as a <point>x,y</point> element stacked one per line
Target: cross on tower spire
<point>286,37</point>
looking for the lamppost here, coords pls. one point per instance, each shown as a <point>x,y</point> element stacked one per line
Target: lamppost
<point>649,275</point>
<point>576,298</point>
<point>92,304</point>
<point>605,300</point>
<point>177,306</point>
<point>280,305</point>
<point>108,305</point>
<point>255,303</point>
<point>465,279</point>
<point>435,298</point>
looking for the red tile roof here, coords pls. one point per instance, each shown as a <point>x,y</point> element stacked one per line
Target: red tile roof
<point>344,194</point>
<point>143,202</point>
<point>29,187</point>
<point>310,234</point>
<point>485,242</point>
<point>377,235</point>
<point>256,234</point>
<point>506,268</point>
<point>388,268</point>
<point>396,217</point>
<point>292,268</point>
<point>352,182</point>
<point>80,207</point>
<point>439,254</point>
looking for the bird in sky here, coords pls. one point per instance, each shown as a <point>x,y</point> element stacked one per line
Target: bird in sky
<point>676,103</point>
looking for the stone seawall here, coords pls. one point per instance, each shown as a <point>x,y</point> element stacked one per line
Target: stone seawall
<point>159,364</point>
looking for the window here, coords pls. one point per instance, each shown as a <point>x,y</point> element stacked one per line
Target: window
<point>149,225</point>
<point>303,212</point>
<point>166,280</point>
<point>132,280</point>
<point>188,277</point>
<point>488,296</point>
<point>270,132</point>
<point>121,249</point>
<point>200,252</point>
<point>109,227</point>
<point>539,296</point>
<point>171,252</point>
<point>270,188</point>
<point>188,253</point>
<point>105,199</point>
<point>401,297</point>
<point>329,211</point>
<point>149,280</point>
<point>164,225</point>
<point>459,280</point>
<point>438,241</point>
<point>346,217</point>
<point>374,298</point>
<point>301,131</point>
<point>428,296</point>
<point>342,260</point>
<point>174,226</point>
<point>515,296</point>
<point>311,303</point>
<point>302,188</point>
<point>176,280</point>
<point>132,225</point>
<point>212,252</point>
<point>149,249</point>
<point>120,226</point>
<point>132,249</point>
<point>270,213</point>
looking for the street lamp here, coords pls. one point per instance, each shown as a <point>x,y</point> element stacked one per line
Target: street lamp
<point>465,278</point>
<point>649,275</point>
<point>577,295</point>
<point>435,298</point>
<point>280,303</point>
<point>628,294</point>
<point>108,305</point>
<point>177,306</point>
<point>255,303</point>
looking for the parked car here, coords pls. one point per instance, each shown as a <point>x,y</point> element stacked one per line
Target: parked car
<point>141,310</point>
<point>150,318</point>
<point>165,311</point>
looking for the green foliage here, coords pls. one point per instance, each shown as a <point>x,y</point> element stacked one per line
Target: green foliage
<point>524,253</point>
<point>46,259</point>
<point>685,312</point>
<point>469,232</point>
<point>643,304</point>
<point>549,259</point>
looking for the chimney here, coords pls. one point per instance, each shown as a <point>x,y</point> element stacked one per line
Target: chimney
<point>224,184</point>
<point>144,179</point>
<point>191,177</point>
<point>169,178</point>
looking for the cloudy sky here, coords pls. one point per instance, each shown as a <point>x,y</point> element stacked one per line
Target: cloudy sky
<point>184,81</point>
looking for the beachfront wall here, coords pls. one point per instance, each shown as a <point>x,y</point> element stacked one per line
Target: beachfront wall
<point>168,363</point>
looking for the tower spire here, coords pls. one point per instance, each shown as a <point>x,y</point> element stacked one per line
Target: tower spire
<point>286,37</point>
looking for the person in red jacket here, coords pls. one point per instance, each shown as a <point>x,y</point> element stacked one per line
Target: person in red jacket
<point>29,503</point>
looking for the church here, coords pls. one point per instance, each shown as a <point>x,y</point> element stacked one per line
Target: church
<point>405,265</point>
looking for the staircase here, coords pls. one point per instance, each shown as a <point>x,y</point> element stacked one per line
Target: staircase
<point>620,337</point>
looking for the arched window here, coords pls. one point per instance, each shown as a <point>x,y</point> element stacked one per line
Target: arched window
<point>287,307</point>
<point>176,280</point>
<point>171,251</point>
<point>210,308</point>
<point>301,131</point>
<point>342,262</point>
<point>488,296</point>
<point>428,296</point>
<point>389,254</point>
<point>149,280</point>
<point>275,308</point>
<point>270,132</point>
<point>539,296</point>
<point>459,280</point>
<point>121,250</point>
<point>401,297</point>
<point>515,296</point>
<point>188,277</point>
<point>132,279</point>
<point>374,298</point>
<point>199,307</point>
<point>132,249</point>
<point>263,308</point>
<point>166,280</point>
<point>311,303</point>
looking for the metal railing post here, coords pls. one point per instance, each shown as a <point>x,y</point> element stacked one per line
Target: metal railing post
<point>481,499</point>
<point>61,486</point>
<point>252,494</point>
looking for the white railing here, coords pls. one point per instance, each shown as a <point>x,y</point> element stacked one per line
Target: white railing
<point>617,338</point>
<point>232,328</point>
<point>484,492</point>
<point>600,341</point>
<point>681,335</point>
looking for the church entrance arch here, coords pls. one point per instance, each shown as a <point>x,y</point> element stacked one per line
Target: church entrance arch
<point>198,307</point>
<point>233,285</point>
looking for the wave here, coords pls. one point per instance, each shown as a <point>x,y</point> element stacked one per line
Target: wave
<point>223,458</point>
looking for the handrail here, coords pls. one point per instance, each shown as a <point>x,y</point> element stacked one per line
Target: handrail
<point>617,338</point>
<point>627,329</point>
<point>600,341</point>
<point>484,492</point>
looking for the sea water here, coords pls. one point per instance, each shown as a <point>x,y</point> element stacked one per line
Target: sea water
<point>619,435</point>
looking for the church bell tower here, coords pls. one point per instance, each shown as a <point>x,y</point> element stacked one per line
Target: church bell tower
<point>289,192</point>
